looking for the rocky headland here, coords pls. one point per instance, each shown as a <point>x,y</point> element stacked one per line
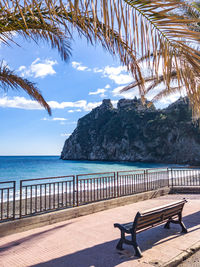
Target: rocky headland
<point>134,132</point>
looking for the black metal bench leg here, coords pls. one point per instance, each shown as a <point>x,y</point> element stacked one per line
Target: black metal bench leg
<point>179,221</point>
<point>121,241</point>
<point>167,225</point>
<point>138,252</point>
<point>184,229</point>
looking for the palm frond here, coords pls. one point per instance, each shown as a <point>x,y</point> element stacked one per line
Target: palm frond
<point>30,26</point>
<point>9,80</point>
<point>131,29</point>
<point>184,66</point>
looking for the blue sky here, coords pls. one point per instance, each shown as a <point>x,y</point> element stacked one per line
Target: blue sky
<point>72,89</point>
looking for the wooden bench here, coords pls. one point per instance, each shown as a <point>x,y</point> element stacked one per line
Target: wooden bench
<point>148,219</point>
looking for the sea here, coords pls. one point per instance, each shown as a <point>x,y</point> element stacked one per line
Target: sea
<point>17,168</point>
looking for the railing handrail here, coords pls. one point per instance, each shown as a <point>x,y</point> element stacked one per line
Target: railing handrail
<point>47,178</point>
<point>7,182</point>
<point>188,167</point>
<point>87,174</point>
<point>143,170</point>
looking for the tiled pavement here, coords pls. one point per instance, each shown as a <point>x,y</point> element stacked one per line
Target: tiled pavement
<point>90,240</point>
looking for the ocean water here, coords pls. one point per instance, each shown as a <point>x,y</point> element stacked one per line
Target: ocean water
<point>30,167</point>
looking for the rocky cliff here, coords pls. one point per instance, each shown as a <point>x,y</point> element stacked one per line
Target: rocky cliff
<point>133,132</point>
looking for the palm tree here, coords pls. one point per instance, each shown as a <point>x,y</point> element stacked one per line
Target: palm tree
<point>130,29</point>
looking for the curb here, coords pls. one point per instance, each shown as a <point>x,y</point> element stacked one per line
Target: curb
<point>183,256</point>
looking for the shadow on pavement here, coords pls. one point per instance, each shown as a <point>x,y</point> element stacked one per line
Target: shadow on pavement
<point>30,238</point>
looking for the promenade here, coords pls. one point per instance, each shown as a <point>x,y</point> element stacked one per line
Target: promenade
<point>90,240</point>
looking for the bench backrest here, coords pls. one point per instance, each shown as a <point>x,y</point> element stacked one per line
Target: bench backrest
<point>157,216</point>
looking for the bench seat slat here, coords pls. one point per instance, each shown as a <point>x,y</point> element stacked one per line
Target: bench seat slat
<point>149,223</point>
<point>164,215</point>
<point>152,223</point>
<point>180,207</point>
<point>173,204</point>
<point>149,227</point>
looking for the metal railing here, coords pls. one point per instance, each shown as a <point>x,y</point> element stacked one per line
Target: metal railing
<point>7,200</point>
<point>137,181</point>
<point>36,196</point>
<point>46,194</point>
<point>94,187</point>
<point>185,177</point>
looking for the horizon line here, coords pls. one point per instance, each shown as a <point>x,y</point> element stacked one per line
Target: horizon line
<point>29,155</point>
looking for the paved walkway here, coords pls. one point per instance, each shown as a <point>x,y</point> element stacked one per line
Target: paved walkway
<point>91,240</point>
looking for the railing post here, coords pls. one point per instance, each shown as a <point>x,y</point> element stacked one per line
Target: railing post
<point>20,200</point>
<point>74,191</point>
<point>168,177</point>
<point>14,192</point>
<point>77,195</point>
<point>117,184</point>
<point>172,177</point>
<point>146,175</point>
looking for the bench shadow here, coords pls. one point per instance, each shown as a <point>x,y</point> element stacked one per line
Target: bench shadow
<point>100,255</point>
<point>29,238</point>
<point>105,254</point>
<point>192,220</point>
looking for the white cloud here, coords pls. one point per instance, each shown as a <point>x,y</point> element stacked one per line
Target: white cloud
<point>99,92</point>
<point>65,134</point>
<point>166,101</point>
<point>75,64</point>
<point>114,102</point>
<point>59,119</point>
<point>79,66</point>
<point>38,68</point>
<point>74,110</point>
<point>62,105</point>
<point>128,94</point>
<point>114,70</point>
<point>19,102</point>
<point>92,105</point>
<point>81,104</point>
<point>118,74</point>
<point>54,119</point>
<point>97,70</point>
<point>4,63</point>
<point>23,103</point>
<point>162,103</point>
<point>121,79</point>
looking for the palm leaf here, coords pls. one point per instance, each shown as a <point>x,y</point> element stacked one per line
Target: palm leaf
<point>8,79</point>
